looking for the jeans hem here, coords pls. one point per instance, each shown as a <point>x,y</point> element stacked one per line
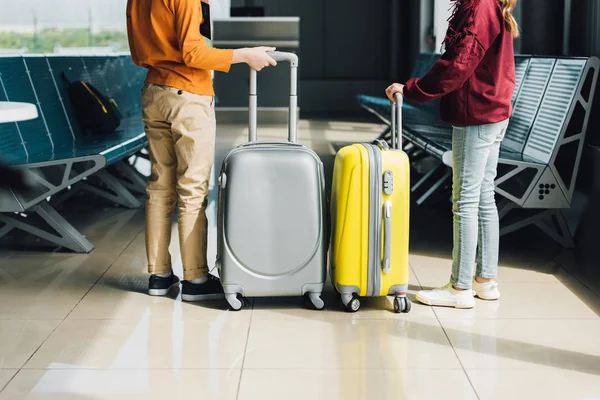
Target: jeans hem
<point>460,286</point>
<point>486,276</point>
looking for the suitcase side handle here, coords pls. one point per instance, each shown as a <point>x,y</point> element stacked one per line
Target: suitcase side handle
<point>387,237</point>
<point>382,144</point>
<point>293,109</point>
<point>397,122</point>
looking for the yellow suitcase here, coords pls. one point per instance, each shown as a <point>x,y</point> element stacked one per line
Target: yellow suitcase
<point>370,214</point>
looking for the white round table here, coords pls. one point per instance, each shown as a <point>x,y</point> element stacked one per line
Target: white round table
<point>14,112</point>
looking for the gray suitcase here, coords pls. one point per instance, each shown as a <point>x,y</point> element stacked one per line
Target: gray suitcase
<point>272,222</point>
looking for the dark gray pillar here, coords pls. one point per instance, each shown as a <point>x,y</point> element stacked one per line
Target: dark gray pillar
<point>584,38</point>
<point>518,14</point>
<point>542,23</point>
<point>409,37</point>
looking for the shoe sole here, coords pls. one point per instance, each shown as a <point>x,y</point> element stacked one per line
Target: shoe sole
<point>451,304</point>
<point>162,292</point>
<point>487,298</point>
<point>201,297</point>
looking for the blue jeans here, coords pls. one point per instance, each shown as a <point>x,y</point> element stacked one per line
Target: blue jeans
<point>475,151</point>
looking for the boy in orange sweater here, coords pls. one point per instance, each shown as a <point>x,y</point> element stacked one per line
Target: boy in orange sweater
<point>178,111</point>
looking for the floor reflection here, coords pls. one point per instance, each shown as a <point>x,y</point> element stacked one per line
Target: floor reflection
<point>78,326</point>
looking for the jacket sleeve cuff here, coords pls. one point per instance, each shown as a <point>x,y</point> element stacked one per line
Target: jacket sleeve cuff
<point>411,90</point>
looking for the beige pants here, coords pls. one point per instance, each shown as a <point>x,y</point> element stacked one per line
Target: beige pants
<point>181,128</point>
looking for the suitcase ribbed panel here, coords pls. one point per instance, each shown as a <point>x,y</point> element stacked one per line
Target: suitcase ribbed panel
<point>532,91</point>
<point>554,109</point>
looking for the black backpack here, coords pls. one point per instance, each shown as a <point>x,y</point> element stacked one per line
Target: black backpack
<point>95,113</point>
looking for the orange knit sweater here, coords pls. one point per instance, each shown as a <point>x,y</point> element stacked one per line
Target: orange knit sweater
<point>164,37</point>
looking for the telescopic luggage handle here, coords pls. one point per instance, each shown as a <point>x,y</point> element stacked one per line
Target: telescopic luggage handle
<point>397,122</point>
<point>293,111</point>
<point>388,180</point>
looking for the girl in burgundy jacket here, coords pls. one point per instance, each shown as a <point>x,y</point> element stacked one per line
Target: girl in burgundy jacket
<point>475,78</point>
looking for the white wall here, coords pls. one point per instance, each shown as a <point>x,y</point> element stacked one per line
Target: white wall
<point>220,8</point>
<point>426,27</point>
<point>442,11</point>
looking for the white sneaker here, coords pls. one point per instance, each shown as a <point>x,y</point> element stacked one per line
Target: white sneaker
<point>486,291</point>
<point>447,296</point>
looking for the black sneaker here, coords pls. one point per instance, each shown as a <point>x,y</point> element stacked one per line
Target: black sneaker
<point>210,290</point>
<point>158,286</point>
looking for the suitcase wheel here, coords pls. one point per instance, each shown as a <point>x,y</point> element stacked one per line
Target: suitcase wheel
<point>402,305</point>
<point>315,299</point>
<point>354,304</point>
<point>236,301</point>
<point>350,301</point>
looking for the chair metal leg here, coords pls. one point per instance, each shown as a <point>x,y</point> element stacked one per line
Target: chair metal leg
<point>555,225</point>
<point>408,147</point>
<point>417,155</point>
<point>551,222</point>
<point>387,132</point>
<point>141,154</point>
<point>131,178</point>
<point>504,207</point>
<point>426,177</point>
<point>64,234</point>
<point>434,188</point>
<point>515,226</point>
<point>8,226</point>
<point>57,201</point>
<point>114,190</point>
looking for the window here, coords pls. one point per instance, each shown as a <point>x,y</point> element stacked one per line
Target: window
<point>63,26</point>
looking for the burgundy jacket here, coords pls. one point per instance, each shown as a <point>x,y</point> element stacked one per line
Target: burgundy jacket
<point>476,75</point>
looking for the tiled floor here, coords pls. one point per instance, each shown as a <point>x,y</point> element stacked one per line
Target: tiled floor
<point>80,326</point>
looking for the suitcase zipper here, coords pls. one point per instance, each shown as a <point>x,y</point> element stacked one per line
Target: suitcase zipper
<point>371,229</point>
<point>375,216</point>
<point>378,213</point>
